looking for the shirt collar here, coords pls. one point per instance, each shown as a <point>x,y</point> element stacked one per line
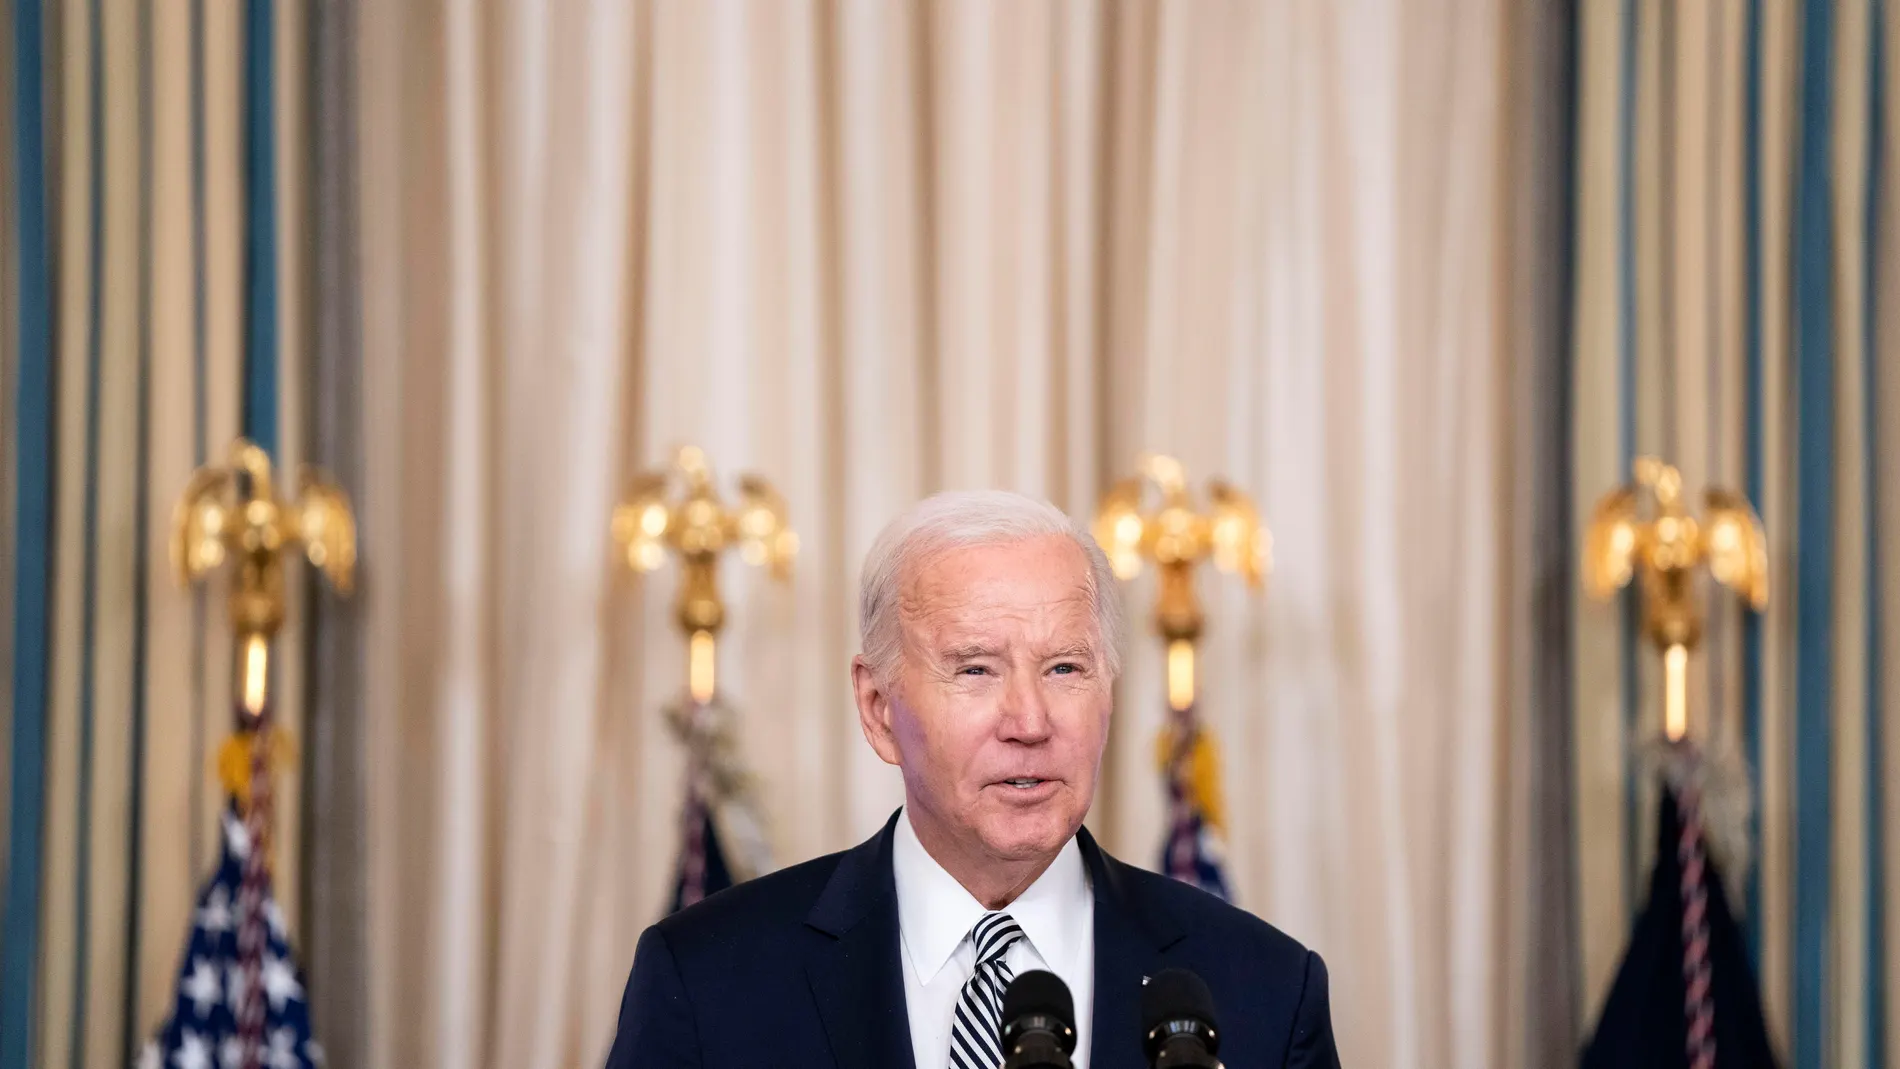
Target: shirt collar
<point>935,912</point>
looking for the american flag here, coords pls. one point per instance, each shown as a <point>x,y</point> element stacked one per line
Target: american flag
<point>1194,848</point>
<point>240,1000</point>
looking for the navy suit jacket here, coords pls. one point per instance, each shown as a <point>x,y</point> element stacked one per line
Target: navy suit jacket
<point>801,968</point>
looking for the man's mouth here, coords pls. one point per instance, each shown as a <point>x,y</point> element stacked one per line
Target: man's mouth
<point>1025,782</point>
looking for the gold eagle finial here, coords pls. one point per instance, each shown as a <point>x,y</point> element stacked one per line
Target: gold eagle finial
<point>231,512</point>
<point>696,527</point>
<point>1662,550</point>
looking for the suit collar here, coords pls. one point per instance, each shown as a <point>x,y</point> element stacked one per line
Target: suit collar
<point>1132,933</point>
<point>1152,922</point>
<point>935,913</point>
<point>855,976</point>
<point>865,877</point>
<point>858,886</point>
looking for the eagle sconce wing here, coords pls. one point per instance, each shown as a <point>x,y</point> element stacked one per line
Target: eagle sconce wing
<point>1610,544</point>
<point>200,523</point>
<point>1736,546</point>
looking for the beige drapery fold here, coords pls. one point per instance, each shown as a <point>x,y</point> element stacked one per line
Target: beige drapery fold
<point>871,251</point>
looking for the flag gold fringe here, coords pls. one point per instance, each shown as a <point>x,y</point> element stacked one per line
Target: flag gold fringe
<point>1199,770</point>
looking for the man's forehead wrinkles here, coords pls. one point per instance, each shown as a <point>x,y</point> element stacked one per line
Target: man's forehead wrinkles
<point>962,603</point>
<point>1042,643</point>
<point>968,620</point>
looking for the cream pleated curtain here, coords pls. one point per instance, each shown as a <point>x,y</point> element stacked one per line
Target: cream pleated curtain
<point>871,251</point>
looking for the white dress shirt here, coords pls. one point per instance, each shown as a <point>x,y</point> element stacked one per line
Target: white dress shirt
<point>934,918</point>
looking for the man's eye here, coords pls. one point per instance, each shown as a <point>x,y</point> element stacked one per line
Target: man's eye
<point>1066,669</point>
<point>972,670</point>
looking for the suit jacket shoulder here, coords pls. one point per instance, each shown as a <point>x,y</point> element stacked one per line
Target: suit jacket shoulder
<point>1202,916</point>
<point>795,967</point>
<point>1271,994</point>
<point>735,921</point>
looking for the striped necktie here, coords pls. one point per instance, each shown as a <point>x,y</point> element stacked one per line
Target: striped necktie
<point>975,1036</point>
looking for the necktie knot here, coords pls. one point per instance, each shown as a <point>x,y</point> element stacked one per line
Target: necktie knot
<point>993,935</point>
<point>975,1039</point>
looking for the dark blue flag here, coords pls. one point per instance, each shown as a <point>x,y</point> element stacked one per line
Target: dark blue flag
<point>1685,995</point>
<point>722,841</point>
<point>217,981</point>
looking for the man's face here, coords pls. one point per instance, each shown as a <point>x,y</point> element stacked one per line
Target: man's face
<point>998,712</point>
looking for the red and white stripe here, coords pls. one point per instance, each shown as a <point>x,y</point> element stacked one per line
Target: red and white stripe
<point>252,927</point>
<point>1698,998</point>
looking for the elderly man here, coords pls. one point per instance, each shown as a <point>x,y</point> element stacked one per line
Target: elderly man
<point>990,627</point>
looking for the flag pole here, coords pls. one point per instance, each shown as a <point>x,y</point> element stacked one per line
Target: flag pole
<point>1687,949</point>
<point>676,512</point>
<point>231,514</point>
<point>1661,552</point>
<point>1176,537</point>
<point>240,994</point>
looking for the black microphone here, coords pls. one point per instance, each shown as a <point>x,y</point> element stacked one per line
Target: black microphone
<point>1038,1022</point>
<point>1177,1021</point>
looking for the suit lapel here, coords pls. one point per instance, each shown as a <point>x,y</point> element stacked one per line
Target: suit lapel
<point>857,981</point>
<point>855,977</point>
<point>1130,937</point>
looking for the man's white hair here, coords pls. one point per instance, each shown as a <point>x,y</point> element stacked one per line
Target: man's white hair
<point>969,518</point>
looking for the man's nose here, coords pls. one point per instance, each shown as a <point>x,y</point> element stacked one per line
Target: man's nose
<point>1025,709</point>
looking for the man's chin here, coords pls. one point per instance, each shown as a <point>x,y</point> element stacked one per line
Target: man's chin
<point>1030,834</point>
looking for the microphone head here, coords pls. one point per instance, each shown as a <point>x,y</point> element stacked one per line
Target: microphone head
<point>1177,1002</point>
<point>1038,1001</point>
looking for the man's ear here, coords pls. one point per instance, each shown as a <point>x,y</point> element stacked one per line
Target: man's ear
<point>874,712</point>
